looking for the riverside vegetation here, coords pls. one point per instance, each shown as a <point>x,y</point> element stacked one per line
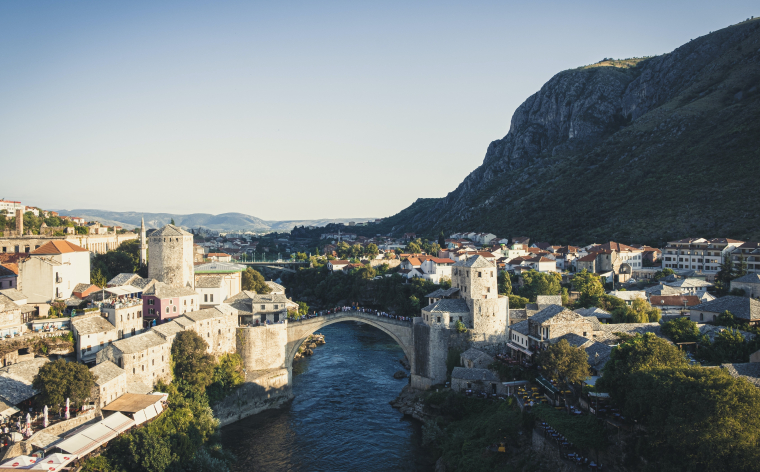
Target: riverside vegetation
<point>185,437</point>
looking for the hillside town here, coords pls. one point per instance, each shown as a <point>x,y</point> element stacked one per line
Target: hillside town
<point>515,299</point>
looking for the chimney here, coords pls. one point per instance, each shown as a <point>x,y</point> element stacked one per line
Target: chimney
<point>20,222</point>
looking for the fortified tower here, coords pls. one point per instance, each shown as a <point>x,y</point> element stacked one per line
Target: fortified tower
<point>472,300</point>
<point>171,257</point>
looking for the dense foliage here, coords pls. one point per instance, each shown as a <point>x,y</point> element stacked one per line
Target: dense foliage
<point>58,380</point>
<point>192,362</point>
<point>562,361</point>
<point>695,418</point>
<point>253,281</point>
<point>124,259</point>
<point>322,288</point>
<point>681,330</point>
<point>468,426</point>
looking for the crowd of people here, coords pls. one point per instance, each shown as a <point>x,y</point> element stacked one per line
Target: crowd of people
<point>370,311</point>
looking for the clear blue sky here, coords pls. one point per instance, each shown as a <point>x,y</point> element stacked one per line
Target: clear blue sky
<point>289,109</point>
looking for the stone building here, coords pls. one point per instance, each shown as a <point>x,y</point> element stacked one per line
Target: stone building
<point>125,315</point>
<point>145,358</point>
<point>254,309</point>
<point>216,326</point>
<point>92,333</point>
<point>473,300</point>
<point>551,323</point>
<point>110,383</point>
<point>218,281</point>
<point>171,257</point>
<point>476,380</point>
<point>475,358</point>
<point>750,283</point>
<point>11,321</point>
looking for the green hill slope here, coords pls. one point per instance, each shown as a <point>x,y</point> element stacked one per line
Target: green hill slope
<point>636,150</point>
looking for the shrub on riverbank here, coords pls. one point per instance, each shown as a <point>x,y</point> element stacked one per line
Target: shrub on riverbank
<point>467,427</point>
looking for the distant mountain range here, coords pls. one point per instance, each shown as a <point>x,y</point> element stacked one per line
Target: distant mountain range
<point>222,222</point>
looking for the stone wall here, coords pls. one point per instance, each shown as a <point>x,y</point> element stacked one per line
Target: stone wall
<point>262,390</point>
<point>431,345</point>
<point>263,347</point>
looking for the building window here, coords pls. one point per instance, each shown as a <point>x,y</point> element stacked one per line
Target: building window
<point>151,301</point>
<point>211,297</point>
<point>152,311</point>
<point>439,319</point>
<point>205,297</point>
<point>175,309</point>
<point>167,309</point>
<point>171,302</point>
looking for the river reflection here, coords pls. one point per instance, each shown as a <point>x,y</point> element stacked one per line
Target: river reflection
<point>340,419</point>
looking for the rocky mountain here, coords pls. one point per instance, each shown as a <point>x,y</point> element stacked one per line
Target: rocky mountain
<point>221,222</point>
<point>641,150</point>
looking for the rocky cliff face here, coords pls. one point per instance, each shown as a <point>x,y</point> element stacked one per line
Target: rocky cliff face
<point>590,122</point>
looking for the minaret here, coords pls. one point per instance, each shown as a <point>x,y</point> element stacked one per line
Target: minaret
<point>143,245</point>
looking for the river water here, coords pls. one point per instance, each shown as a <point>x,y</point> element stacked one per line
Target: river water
<point>340,419</point>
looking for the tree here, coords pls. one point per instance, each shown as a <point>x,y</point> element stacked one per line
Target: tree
<point>56,381</point>
<point>192,362</point>
<point>371,250</point>
<point>253,281</point>
<point>707,420</point>
<point>641,352</point>
<point>540,283</point>
<point>589,286</point>
<point>517,302</point>
<point>640,311</point>
<point>681,330</point>
<point>97,277</point>
<point>663,273</point>
<point>172,222</point>
<point>504,283</point>
<point>442,239</point>
<point>724,276</point>
<point>413,248</point>
<point>228,374</point>
<point>564,361</point>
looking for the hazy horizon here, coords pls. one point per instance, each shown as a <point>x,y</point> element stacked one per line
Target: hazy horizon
<point>289,111</point>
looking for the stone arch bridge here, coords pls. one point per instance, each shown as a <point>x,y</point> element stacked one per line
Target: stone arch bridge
<point>400,331</point>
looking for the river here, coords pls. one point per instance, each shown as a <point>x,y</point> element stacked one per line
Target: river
<point>340,419</point>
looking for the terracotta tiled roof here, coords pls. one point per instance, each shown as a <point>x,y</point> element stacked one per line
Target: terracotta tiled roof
<point>58,247</point>
<point>674,300</point>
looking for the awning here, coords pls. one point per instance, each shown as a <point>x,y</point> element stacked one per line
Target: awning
<point>10,410</point>
<point>521,349</point>
<point>546,384</point>
<point>600,395</point>
<point>118,422</point>
<point>78,445</point>
<point>100,433</point>
<point>123,290</point>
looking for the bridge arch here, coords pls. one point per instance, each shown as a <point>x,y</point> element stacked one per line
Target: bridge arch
<point>399,331</point>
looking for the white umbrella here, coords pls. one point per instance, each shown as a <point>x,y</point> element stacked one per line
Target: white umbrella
<point>20,462</point>
<point>67,408</point>
<point>28,420</point>
<point>45,417</point>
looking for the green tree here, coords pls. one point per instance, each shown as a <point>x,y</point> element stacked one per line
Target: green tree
<point>56,381</point>
<point>413,248</point>
<point>724,276</point>
<point>681,330</point>
<point>564,361</point>
<point>253,281</point>
<point>97,277</point>
<point>707,420</point>
<point>641,352</point>
<point>442,239</point>
<point>371,250</point>
<point>663,273</point>
<point>343,250</point>
<point>504,283</point>
<point>151,453</point>
<point>517,302</point>
<point>192,362</point>
<point>228,374</point>
<point>83,230</point>
<point>590,288</point>
<point>540,283</point>
<point>172,222</point>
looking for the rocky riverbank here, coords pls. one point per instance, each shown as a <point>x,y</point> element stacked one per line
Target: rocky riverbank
<point>409,402</point>
<point>308,346</point>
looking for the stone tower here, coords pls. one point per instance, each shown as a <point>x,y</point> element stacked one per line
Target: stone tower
<point>143,245</point>
<point>474,300</point>
<point>171,257</point>
<point>476,279</point>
